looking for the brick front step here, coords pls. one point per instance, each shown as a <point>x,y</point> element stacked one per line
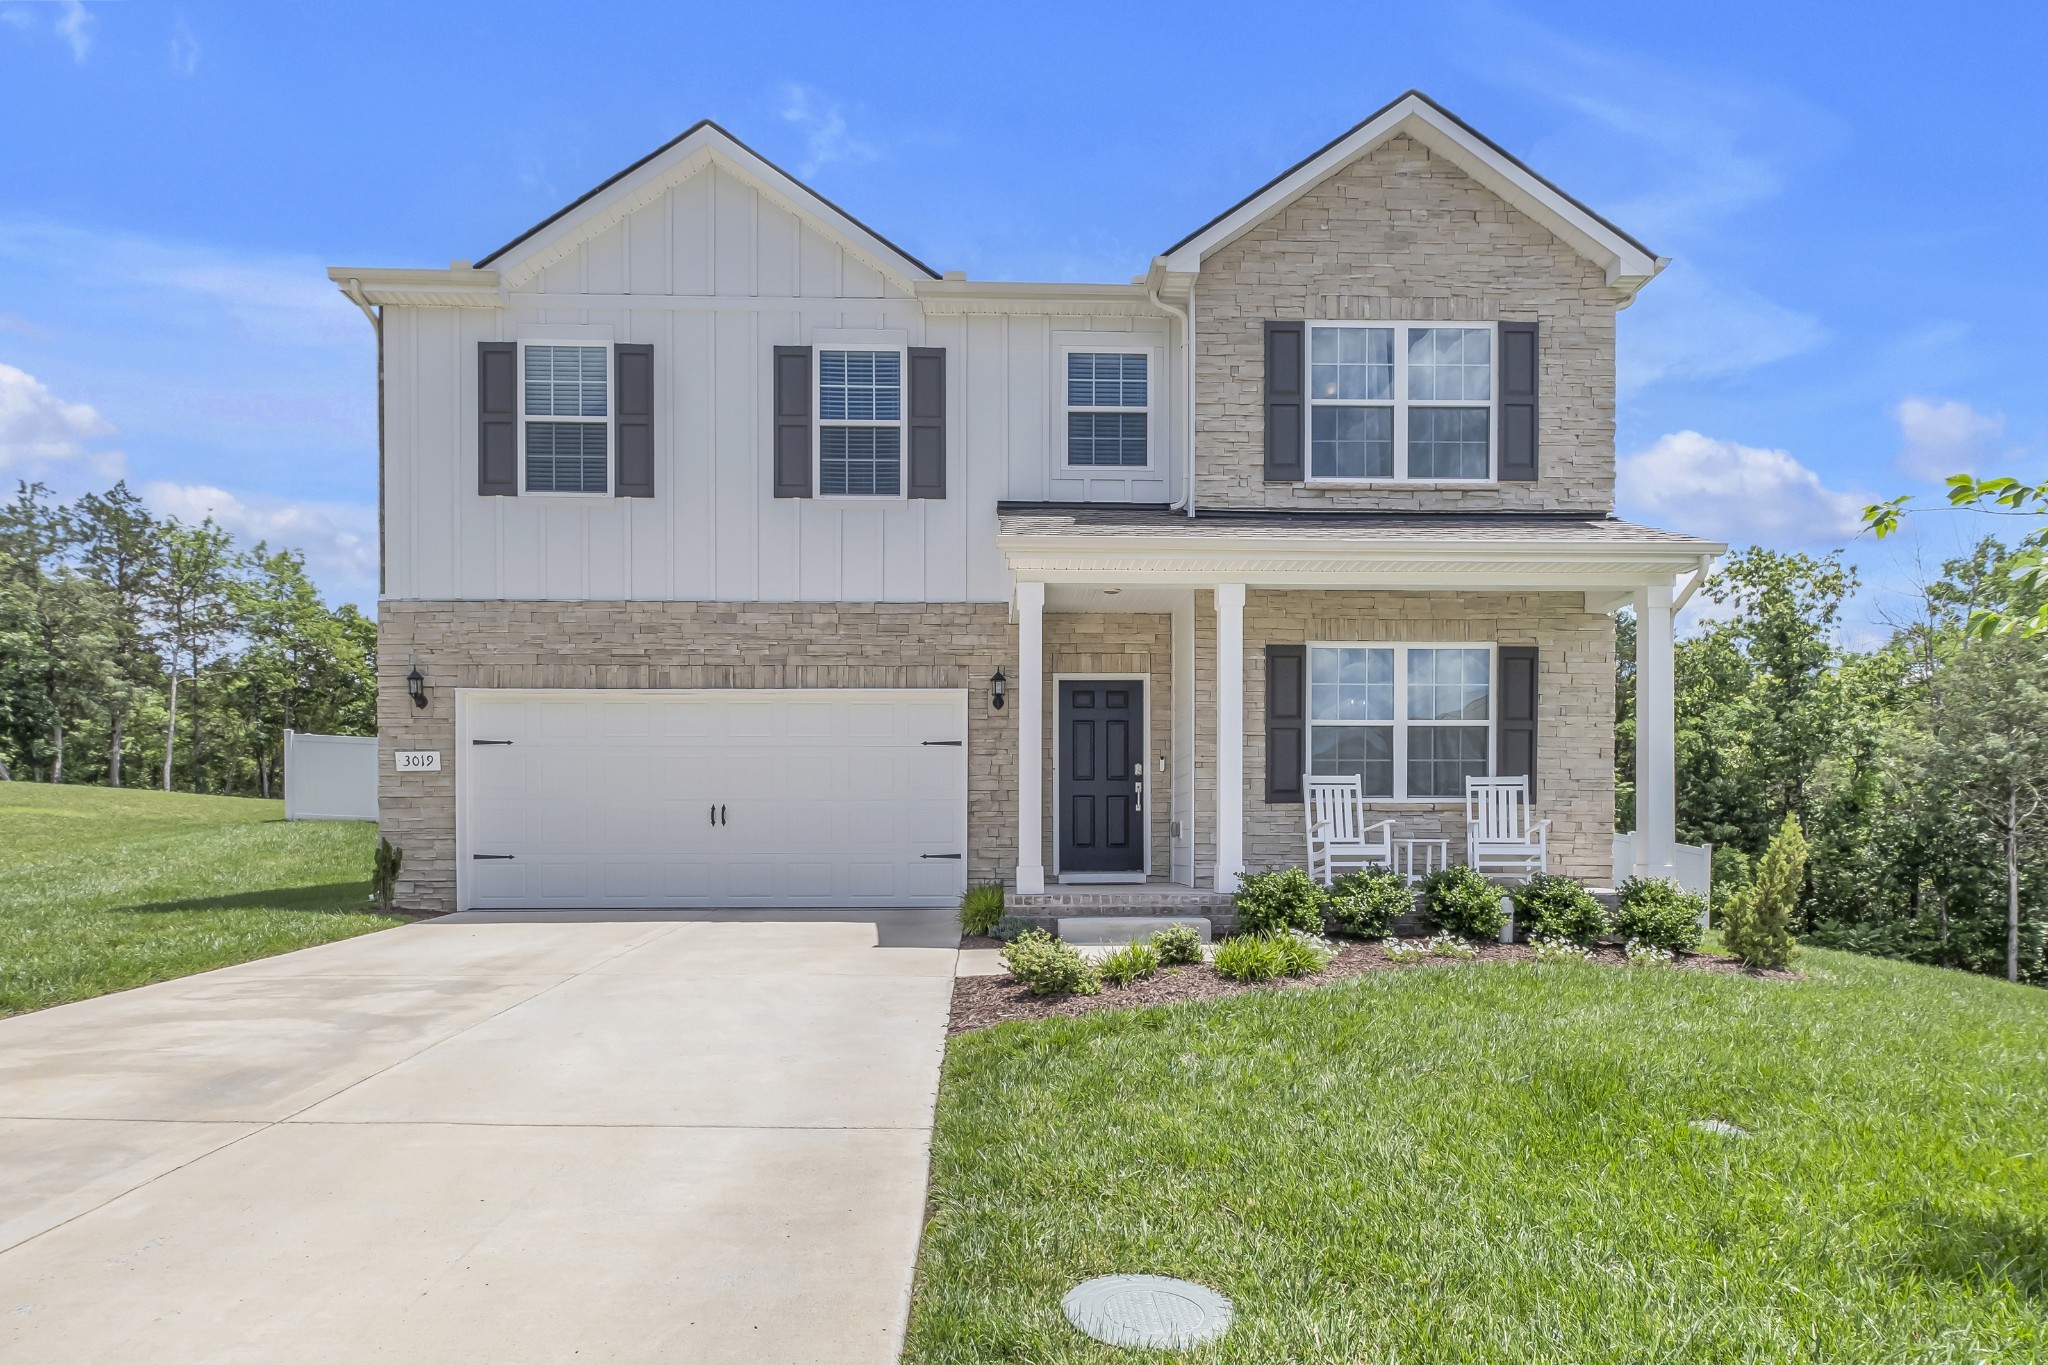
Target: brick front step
<point>1160,903</point>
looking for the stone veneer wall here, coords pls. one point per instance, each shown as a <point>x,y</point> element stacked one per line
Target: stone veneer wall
<point>1574,717</point>
<point>1403,235</point>
<point>679,645</point>
<point>1106,642</point>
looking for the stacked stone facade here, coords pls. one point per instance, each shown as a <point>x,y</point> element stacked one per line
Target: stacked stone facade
<point>1403,235</point>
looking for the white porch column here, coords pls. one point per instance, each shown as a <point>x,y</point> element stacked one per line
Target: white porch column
<point>1031,737</point>
<point>1656,736</point>
<point>1229,735</point>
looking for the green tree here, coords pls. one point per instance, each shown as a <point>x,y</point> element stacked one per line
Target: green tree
<point>192,611</point>
<point>1757,925</point>
<point>121,546</point>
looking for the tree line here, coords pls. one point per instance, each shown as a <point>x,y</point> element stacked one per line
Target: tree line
<point>1917,767</point>
<point>140,651</point>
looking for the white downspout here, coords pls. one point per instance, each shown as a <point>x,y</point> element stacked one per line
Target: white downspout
<point>1187,341</point>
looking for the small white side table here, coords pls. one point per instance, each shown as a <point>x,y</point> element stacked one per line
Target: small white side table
<point>1420,857</point>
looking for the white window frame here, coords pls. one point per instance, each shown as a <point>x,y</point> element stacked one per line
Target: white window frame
<point>609,421</point>
<point>1401,404</point>
<point>1109,346</point>
<point>901,424</point>
<point>1400,723</point>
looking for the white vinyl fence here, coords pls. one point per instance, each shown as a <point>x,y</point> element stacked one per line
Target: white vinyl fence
<point>1693,864</point>
<point>330,777</point>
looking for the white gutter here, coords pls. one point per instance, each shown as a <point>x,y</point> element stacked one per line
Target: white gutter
<point>1187,340</point>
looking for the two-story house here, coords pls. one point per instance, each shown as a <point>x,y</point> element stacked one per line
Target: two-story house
<point>735,557</point>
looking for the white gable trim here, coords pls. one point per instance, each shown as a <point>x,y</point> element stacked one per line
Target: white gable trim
<point>1627,264</point>
<point>520,263</point>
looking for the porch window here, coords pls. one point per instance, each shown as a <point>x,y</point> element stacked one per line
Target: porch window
<point>1411,722</point>
<point>1108,409</point>
<point>1400,401</point>
<point>860,423</point>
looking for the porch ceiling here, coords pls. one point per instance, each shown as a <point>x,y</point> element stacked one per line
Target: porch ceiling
<point>1130,546</point>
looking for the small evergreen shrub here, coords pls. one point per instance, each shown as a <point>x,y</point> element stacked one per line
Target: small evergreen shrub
<point>1010,926</point>
<point>1178,945</point>
<point>1365,902</point>
<point>981,909</point>
<point>384,874</point>
<point>1551,948</point>
<point>1757,923</point>
<point>1286,898</point>
<point>1460,900</point>
<point>1132,962</point>
<point>1550,906</point>
<point>1050,967</point>
<point>1250,957</point>
<point>1302,954</point>
<point>1656,912</point>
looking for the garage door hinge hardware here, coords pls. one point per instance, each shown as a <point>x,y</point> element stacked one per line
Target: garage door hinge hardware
<point>943,743</point>
<point>490,741</point>
<point>954,856</point>
<point>491,857</point>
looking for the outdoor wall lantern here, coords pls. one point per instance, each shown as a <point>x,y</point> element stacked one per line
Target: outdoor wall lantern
<point>416,687</point>
<point>998,688</point>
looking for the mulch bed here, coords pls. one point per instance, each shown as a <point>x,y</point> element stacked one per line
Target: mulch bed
<point>980,1002</point>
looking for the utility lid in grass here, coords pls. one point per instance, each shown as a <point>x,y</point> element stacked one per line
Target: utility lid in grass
<point>1147,1310</point>
<point>1720,1128</point>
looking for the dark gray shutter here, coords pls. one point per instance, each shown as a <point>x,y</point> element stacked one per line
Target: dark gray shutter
<point>1286,723</point>
<point>792,421</point>
<point>1519,364</point>
<point>497,418</point>
<point>927,422</point>
<point>1516,737</point>
<point>633,371</point>
<point>1286,392</point>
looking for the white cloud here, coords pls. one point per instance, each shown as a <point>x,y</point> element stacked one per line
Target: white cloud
<point>827,141</point>
<point>1737,493</point>
<point>339,539</point>
<point>75,27</point>
<point>37,428</point>
<point>1940,439</point>
<point>184,49</point>
<point>1685,326</point>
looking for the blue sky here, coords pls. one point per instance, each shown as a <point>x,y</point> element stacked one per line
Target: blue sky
<point>1852,196</point>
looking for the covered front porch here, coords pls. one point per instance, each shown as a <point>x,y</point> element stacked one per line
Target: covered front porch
<point>1177,676</point>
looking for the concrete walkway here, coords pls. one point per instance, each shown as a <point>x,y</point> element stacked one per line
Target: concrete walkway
<point>686,1137</point>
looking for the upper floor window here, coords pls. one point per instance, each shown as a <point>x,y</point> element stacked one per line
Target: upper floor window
<point>565,410</point>
<point>860,423</point>
<point>1400,401</point>
<point>1412,722</point>
<point>1108,407</point>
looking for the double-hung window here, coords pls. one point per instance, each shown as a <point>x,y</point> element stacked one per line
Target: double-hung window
<point>1411,722</point>
<point>860,423</point>
<point>1392,402</point>
<point>565,415</point>
<point>1108,407</point>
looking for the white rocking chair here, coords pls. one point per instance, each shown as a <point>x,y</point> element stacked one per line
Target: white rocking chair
<point>1339,840</point>
<point>1498,834</point>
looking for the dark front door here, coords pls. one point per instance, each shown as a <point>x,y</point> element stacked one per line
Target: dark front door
<point>1102,776</point>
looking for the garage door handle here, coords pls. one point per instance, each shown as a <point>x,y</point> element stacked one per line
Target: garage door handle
<point>491,857</point>
<point>490,741</point>
<point>954,856</point>
<point>943,743</point>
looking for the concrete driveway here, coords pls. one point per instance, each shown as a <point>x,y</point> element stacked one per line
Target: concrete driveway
<point>691,1137</point>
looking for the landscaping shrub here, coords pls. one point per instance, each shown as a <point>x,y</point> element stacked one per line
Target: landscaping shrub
<point>1049,966</point>
<point>1365,902</point>
<point>1250,957</point>
<point>1551,948</point>
<point>1655,911</point>
<point>1287,898</point>
<point>1010,926</point>
<point>1302,954</point>
<point>1462,901</point>
<point>1404,950</point>
<point>1641,954</point>
<point>1178,945</point>
<point>1551,906</point>
<point>1757,922</point>
<point>981,909</point>
<point>1129,963</point>
<point>384,874</point>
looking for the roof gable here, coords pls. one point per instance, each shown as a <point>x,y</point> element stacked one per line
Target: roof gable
<point>1628,263</point>
<point>704,144</point>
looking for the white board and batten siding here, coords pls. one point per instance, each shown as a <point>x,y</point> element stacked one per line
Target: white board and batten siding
<point>748,799</point>
<point>715,274</point>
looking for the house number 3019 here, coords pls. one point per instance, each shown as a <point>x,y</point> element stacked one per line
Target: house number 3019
<point>418,760</point>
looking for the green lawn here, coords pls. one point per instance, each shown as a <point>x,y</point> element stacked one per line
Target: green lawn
<point>1495,1163</point>
<point>101,890</point>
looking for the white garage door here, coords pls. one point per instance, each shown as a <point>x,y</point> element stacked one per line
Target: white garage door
<point>763,798</point>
